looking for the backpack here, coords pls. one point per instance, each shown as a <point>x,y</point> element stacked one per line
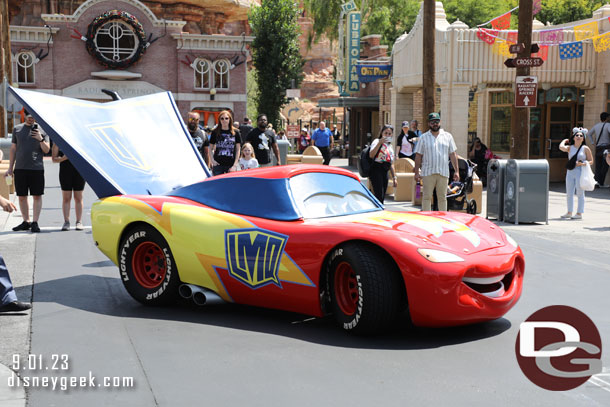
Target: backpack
<point>365,162</point>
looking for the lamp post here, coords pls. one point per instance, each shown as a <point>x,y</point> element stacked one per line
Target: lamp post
<point>212,93</point>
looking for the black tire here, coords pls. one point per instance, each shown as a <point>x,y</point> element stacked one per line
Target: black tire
<point>366,289</point>
<point>472,207</point>
<point>147,266</point>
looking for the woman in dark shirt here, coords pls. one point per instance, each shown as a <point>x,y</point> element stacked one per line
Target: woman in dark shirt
<point>225,145</point>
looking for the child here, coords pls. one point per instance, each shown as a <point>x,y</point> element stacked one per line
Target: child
<point>247,160</point>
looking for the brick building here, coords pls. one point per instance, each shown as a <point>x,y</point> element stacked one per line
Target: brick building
<point>134,49</point>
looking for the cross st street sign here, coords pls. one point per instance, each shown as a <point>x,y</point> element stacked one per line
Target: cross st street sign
<point>526,91</point>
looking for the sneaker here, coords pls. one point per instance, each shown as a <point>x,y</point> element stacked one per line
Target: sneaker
<point>79,226</point>
<point>15,306</point>
<point>23,226</point>
<point>566,215</point>
<point>66,226</point>
<point>35,228</point>
<point>577,216</point>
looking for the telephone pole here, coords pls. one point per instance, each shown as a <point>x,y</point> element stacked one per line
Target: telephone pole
<point>429,83</point>
<point>520,122</point>
<point>5,62</point>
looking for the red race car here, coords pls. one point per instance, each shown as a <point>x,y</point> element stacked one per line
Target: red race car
<point>303,238</point>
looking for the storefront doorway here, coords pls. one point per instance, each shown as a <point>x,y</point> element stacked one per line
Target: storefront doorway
<point>560,119</point>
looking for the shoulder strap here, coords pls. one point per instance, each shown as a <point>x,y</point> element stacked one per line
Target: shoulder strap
<point>599,136</point>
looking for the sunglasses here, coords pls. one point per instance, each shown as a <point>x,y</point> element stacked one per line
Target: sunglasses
<point>192,119</point>
<point>578,135</point>
<point>435,121</point>
<point>225,118</point>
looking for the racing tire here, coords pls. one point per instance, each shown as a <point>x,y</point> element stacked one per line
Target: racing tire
<point>472,207</point>
<point>147,266</point>
<point>366,288</point>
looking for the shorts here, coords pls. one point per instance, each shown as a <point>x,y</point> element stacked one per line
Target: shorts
<point>29,180</point>
<point>69,177</point>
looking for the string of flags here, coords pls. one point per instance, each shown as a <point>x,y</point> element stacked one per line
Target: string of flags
<point>550,37</point>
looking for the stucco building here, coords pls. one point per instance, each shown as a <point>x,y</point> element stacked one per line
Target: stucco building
<point>476,90</point>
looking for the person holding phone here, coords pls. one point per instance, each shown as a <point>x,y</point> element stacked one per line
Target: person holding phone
<point>29,144</point>
<point>382,154</point>
<point>578,154</point>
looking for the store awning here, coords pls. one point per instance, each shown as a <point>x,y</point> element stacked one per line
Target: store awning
<point>350,101</point>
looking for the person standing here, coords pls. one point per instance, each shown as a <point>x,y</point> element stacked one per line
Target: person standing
<point>601,142</point>
<point>8,298</point>
<point>575,147</point>
<point>263,139</point>
<point>225,145</point>
<point>322,138</point>
<point>246,128</point>
<point>304,140</point>
<point>335,133</point>
<point>69,180</point>
<point>29,144</point>
<point>201,140</point>
<point>432,153</point>
<point>405,145</point>
<point>382,154</point>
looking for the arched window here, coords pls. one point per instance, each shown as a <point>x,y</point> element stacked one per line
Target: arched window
<point>221,74</point>
<point>25,62</point>
<point>202,73</point>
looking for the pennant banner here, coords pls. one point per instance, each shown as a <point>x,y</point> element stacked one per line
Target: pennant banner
<point>502,22</point>
<point>543,53</point>
<point>570,50</point>
<point>602,42</point>
<point>589,30</point>
<point>511,37</point>
<point>551,37</point>
<point>500,47</point>
<point>536,6</point>
<point>488,36</point>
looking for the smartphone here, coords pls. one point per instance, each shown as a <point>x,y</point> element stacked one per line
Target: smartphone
<point>35,126</point>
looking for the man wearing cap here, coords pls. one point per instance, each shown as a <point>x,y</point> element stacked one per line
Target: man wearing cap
<point>29,144</point>
<point>434,149</point>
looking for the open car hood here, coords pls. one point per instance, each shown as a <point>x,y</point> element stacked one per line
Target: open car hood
<point>131,146</point>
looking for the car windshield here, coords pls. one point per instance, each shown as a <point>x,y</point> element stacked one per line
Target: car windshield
<point>320,195</point>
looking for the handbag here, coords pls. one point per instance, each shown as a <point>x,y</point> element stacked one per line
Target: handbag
<point>571,164</point>
<point>587,180</point>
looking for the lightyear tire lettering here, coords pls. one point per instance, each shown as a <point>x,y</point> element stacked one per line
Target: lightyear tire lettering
<point>365,287</point>
<point>147,266</point>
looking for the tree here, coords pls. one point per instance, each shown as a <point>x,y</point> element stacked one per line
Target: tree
<point>275,54</point>
<point>565,11</point>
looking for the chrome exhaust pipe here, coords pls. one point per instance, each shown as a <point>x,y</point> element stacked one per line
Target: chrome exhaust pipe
<point>199,295</point>
<point>185,291</point>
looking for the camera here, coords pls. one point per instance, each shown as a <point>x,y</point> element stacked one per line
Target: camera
<point>606,153</point>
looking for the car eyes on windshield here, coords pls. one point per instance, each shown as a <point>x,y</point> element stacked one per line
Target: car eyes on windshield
<point>327,204</point>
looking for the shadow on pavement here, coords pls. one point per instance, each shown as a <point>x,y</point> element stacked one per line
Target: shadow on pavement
<point>104,295</point>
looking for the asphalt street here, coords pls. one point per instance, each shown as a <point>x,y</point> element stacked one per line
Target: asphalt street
<point>84,324</point>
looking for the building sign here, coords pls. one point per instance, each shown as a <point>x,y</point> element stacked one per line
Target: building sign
<point>349,6</point>
<point>353,50</point>
<point>370,73</point>
<point>526,91</point>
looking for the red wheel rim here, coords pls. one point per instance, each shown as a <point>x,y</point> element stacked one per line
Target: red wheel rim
<point>149,265</point>
<point>346,288</point>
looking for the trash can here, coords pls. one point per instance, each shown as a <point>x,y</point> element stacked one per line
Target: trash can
<point>283,145</point>
<point>526,191</point>
<point>495,189</point>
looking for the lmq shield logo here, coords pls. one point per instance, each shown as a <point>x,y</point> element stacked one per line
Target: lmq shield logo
<point>559,348</point>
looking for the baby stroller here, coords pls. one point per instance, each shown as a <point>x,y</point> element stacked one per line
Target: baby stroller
<point>457,198</point>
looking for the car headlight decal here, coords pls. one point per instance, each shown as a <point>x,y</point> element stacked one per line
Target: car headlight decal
<point>439,256</point>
